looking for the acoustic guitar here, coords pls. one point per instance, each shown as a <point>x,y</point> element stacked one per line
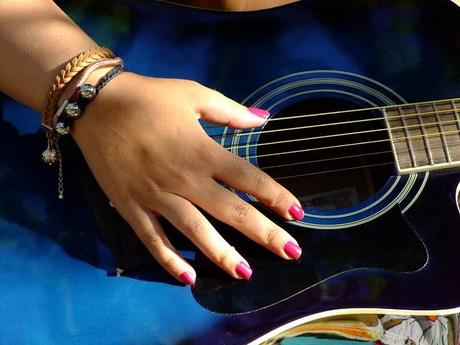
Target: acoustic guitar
<point>364,129</point>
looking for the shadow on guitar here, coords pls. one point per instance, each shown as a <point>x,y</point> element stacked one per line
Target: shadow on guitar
<point>83,224</point>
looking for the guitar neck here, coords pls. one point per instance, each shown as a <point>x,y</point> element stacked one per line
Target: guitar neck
<point>425,136</point>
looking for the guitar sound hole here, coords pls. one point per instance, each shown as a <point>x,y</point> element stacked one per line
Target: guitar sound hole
<point>337,170</point>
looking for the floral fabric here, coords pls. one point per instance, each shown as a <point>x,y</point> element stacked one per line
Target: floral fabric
<point>374,330</point>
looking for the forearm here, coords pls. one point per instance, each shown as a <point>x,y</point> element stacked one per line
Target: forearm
<point>36,40</point>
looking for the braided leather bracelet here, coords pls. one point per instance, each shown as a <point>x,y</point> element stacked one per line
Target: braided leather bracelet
<point>71,69</point>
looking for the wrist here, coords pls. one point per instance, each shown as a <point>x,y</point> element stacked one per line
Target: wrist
<point>103,108</point>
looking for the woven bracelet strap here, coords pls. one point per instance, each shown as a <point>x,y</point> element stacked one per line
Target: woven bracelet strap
<point>81,96</point>
<point>74,85</point>
<point>71,69</point>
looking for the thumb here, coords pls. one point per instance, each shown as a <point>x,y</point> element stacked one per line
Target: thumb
<point>224,111</point>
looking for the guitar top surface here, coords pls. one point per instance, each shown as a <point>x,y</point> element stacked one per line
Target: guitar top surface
<point>373,240</point>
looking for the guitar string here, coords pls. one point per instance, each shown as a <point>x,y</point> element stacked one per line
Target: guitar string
<point>341,169</point>
<point>344,157</point>
<point>324,160</point>
<point>333,170</point>
<point>395,106</point>
<point>354,144</point>
<point>342,134</point>
<point>398,108</point>
<point>454,112</point>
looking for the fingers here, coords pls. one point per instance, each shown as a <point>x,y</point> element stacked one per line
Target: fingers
<point>191,222</point>
<point>245,177</point>
<point>150,232</point>
<point>224,111</point>
<point>232,210</point>
<point>235,171</point>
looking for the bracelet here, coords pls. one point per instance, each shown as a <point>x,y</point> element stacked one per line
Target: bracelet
<point>69,111</point>
<point>69,91</point>
<point>78,91</point>
<point>76,82</point>
<point>66,114</point>
<point>71,69</point>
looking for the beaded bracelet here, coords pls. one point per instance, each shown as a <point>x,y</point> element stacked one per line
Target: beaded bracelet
<point>70,70</point>
<point>69,111</point>
<point>72,87</point>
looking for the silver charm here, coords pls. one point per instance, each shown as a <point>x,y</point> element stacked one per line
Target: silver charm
<point>61,129</point>
<point>87,91</point>
<point>49,156</point>
<point>72,110</point>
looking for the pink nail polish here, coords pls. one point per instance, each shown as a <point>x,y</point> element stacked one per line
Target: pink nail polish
<point>296,212</point>
<point>292,250</point>
<point>243,270</point>
<point>187,278</point>
<point>259,112</point>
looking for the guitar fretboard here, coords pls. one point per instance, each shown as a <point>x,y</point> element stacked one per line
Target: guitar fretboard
<point>425,136</point>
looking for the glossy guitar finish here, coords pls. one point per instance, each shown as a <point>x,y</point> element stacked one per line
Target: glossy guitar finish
<point>395,249</point>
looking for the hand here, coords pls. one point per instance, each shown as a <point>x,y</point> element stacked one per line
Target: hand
<point>143,142</point>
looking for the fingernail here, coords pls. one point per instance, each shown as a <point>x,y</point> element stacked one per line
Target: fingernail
<point>187,278</point>
<point>296,212</point>
<point>243,270</point>
<point>292,250</point>
<point>259,112</point>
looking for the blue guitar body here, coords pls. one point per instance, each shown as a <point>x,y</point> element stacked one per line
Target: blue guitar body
<point>373,241</point>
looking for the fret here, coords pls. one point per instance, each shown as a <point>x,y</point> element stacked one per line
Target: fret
<point>424,136</point>
<point>396,147</point>
<point>441,132</point>
<point>452,102</point>
<point>404,122</point>
<point>401,151</point>
<point>449,114</point>
<point>426,139</point>
<point>427,116</point>
<point>414,128</point>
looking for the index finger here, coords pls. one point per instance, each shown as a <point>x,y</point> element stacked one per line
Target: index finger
<point>245,177</point>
